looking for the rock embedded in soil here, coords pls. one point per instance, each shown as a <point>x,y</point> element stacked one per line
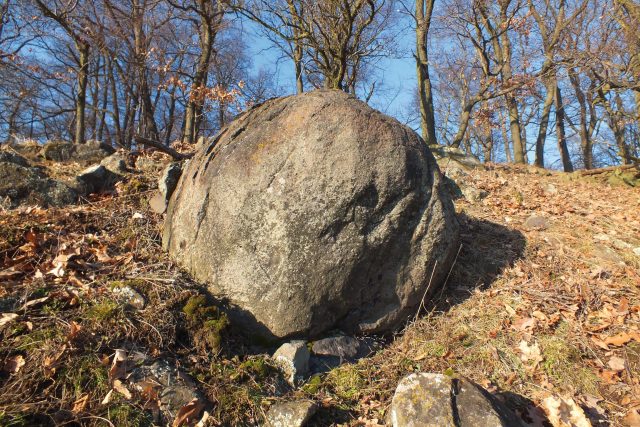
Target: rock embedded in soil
<point>21,184</point>
<point>314,212</point>
<point>96,179</point>
<point>293,359</point>
<point>90,152</point>
<point>536,222</point>
<point>173,387</point>
<point>344,347</point>
<point>290,414</point>
<point>436,400</point>
<point>116,163</point>
<point>166,186</point>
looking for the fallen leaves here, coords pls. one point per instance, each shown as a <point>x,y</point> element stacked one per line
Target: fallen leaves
<point>5,318</point>
<point>80,404</point>
<point>622,338</point>
<point>617,363</point>
<point>530,354</point>
<point>13,364</point>
<point>122,389</point>
<point>632,419</point>
<point>188,413</point>
<point>51,363</point>
<point>564,412</point>
<point>118,366</point>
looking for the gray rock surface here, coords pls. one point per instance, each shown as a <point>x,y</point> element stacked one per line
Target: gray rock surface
<point>293,359</point>
<point>21,184</point>
<point>174,388</point>
<point>450,157</point>
<point>436,400</point>
<point>344,347</point>
<point>90,152</point>
<point>536,222</point>
<point>9,157</point>
<point>290,414</point>
<point>116,163</point>
<point>166,186</point>
<point>95,179</point>
<point>314,212</point>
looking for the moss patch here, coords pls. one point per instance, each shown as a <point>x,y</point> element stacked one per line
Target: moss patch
<point>346,382</point>
<point>207,321</point>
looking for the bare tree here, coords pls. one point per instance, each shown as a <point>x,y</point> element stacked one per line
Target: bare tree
<point>72,19</point>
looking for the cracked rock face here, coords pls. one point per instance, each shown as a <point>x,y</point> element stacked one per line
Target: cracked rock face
<point>314,212</point>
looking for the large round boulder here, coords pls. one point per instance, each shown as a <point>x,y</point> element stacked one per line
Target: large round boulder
<point>314,212</point>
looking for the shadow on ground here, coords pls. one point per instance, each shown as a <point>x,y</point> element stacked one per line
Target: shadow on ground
<point>486,250</point>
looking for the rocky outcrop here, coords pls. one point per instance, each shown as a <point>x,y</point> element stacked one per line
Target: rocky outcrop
<point>21,184</point>
<point>436,400</point>
<point>90,152</point>
<point>314,212</point>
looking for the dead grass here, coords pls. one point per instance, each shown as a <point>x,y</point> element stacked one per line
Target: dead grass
<point>550,289</point>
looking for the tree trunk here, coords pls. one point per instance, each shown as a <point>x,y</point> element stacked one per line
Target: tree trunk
<point>585,136</point>
<point>505,138</point>
<point>560,132</point>
<point>619,132</point>
<point>197,96</point>
<point>544,123</point>
<point>115,106</point>
<point>171,118</point>
<point>81,99</point>
<point>105,100</point>
<point>297,61</point>
<point>144,92</point>
<point>423,23</point>
<point>512,103</point>
<point>462,127</point>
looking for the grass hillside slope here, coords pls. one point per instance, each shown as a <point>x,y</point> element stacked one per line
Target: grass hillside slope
<point>542,303</point>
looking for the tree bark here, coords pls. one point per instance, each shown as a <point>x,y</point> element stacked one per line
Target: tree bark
<point>544,122</point>
<point>585,136</point>
<point>512,103</point>
<point>81,99</point>
<point>424,11</point>
<point>199,82</point>
<point>560,132</point>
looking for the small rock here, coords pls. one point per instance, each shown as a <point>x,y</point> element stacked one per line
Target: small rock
<point>536,222</point>
<point>90,152</point>
<point>158,203</point>
<point>130,296</point>
<point>95,179</point>
<point>169,179</point>
<point>174,388</point>
<point>436,400</point>
<point>452,154</point>
<point>344,347</point>
<point>550,189</point>
<point>637,251</point>
<point>473,194</point>
<point>293,359</point>
<point>116,163</point>
<point>9,157</point>
<point>291,414</point>
<point>166,185</point>
<point>607,254</point>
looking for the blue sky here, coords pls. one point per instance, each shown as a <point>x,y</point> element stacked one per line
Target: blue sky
<point>395,77</point>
